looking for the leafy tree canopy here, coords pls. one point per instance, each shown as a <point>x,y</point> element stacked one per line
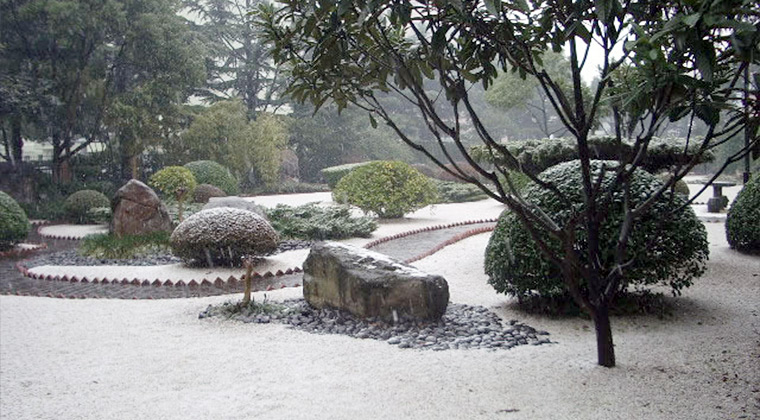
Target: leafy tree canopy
<point>686,60</point>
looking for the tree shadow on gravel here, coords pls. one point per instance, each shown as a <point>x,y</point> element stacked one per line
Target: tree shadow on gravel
<point>628,304</point>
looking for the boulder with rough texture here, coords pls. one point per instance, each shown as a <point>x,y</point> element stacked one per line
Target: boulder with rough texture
<point>204,192</point>
<point>369,284</point>
<point>137,210</point>
<point>235,203</point>
<point>222,236</point>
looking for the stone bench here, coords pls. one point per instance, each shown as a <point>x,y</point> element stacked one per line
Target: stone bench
<point>369,284</point>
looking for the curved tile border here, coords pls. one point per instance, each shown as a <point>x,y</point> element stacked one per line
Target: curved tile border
<point>451,241</point>
<point>72,237</point>
<point>23,252</point>
<point>385,239</point>
<point>231,281</point>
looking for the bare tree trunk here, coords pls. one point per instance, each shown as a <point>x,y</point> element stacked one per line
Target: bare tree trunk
<point>248,280</point>
<point>604,347</point>
<point>134,166</point>
<point>60,163</point>
<point>17,143</point>
<point>130,166</point>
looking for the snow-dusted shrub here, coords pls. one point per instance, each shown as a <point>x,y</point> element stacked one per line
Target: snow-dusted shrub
<point>222,236</point>
<point>680,186</point>
<point>743,219</point>
<point>666,246</point>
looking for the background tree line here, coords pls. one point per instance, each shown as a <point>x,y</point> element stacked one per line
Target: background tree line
<point>125,78</point>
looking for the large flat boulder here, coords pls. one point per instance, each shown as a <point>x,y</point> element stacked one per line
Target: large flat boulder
<point>370,284</point>
<point>138,210</point>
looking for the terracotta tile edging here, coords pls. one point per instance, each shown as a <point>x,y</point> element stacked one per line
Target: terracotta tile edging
<point>192,283</point>
<point>450,241</point>
<point>440,246</point>
<point>57,237</point>
<point>23,252</point>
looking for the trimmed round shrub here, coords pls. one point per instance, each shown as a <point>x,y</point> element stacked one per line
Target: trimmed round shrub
<point>664,247</point>
<point>390,189</point>
<point>680,186</point>
<point>519,180</point>
<point>175,181</point>
<point>425,169</point>
<point>333,174</point>
<point>14,225</point>
<point>222,236</point>
<point>205,191</point>
<point>457,192</point>
<point>80,204</point>
<point>210,172</point>
<point>743,218</point>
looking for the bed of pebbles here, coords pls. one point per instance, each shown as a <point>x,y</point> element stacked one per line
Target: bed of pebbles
<point>461,327</point>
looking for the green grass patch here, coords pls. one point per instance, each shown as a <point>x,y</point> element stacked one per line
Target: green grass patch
<point>110,246</point>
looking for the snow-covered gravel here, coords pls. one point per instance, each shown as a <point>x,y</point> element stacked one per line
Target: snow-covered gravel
<point>117,359</point>
<point>175,272</point>
<point>71,231</point>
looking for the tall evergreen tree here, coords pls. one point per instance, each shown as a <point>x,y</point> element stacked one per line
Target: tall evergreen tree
<point>238,63</point>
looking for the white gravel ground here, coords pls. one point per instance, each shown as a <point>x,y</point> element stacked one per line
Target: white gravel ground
<point>115,359</point>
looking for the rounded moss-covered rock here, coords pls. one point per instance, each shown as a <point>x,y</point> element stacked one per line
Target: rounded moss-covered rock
<point>390,189</point>
<point>204,192</point>
<point>14,225</point>
<point>210,172</point>
<point>665,246</point>
<point>235,203</point>
<point>79,204</point>
<point>743,218</point>
<point>222,236</point>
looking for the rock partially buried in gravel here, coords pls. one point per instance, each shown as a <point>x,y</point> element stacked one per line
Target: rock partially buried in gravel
<point>235,203</point>
<point>222,236</point>
<point>137,210</point>
<point>370,284</point>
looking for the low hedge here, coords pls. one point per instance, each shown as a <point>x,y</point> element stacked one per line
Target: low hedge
<point>313,222</point>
